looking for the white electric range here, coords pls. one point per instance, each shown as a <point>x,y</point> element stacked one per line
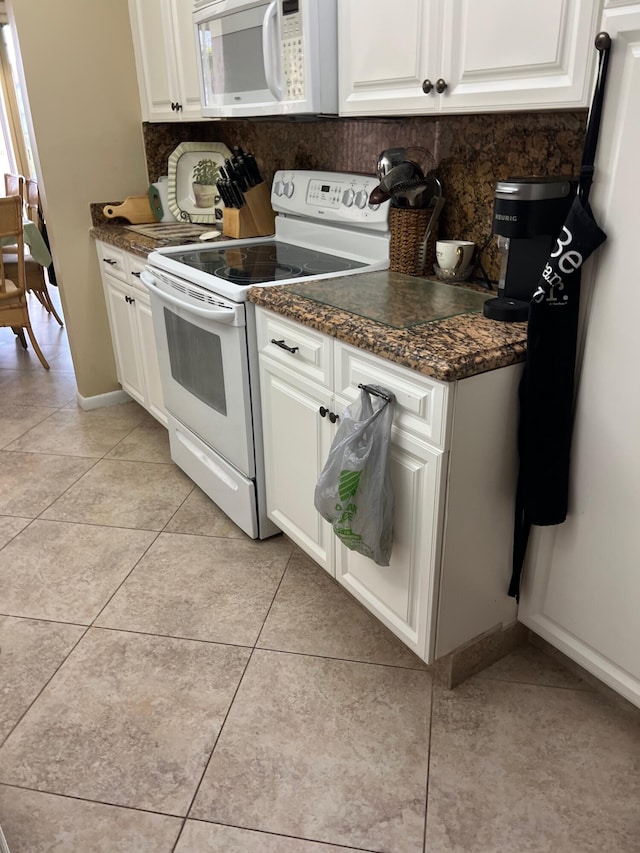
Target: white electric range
<point>205,328</point>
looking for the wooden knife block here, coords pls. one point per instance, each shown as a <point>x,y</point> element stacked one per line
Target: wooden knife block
<point>255,219</point>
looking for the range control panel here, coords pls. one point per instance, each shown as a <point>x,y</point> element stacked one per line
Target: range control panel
<point>332,196</point>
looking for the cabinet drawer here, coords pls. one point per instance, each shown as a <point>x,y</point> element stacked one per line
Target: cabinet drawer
<point>112,261</point>
<point>136,267</point>
<point>421,402</point>
<point>312,356</point>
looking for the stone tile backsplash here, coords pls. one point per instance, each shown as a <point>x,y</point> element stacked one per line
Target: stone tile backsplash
<point>469,153</point>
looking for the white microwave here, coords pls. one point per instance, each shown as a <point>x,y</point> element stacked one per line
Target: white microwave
<point>267,57</point>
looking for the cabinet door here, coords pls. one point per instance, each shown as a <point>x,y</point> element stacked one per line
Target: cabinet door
<point>504,55</point>
<point>387,50</point>
<point>124,333</point>
<point>188,94</point>
<point>403,594</point>
<point>296,444</point>
<point>153,46</point>
<point>149,360</point>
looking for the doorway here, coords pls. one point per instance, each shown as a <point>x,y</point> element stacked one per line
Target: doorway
<point>15,146</point>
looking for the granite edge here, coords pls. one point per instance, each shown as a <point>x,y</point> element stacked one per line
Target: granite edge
<point>415,347</point>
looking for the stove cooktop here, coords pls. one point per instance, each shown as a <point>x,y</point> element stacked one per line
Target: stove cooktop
<point>269,261</point>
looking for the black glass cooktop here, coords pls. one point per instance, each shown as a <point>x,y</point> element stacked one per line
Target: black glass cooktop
<point>270,261</point>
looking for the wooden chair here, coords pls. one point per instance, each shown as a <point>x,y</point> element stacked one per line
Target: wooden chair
<point>13,296</point>
<point>27,189</point>
<point>14,185</point>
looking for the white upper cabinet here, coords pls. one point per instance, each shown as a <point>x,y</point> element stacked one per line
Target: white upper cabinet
<point>436,56</point>
<point>164,45</point>
<point>385,54</point>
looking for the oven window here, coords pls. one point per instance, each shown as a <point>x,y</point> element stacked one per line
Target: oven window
<point>196,361</point>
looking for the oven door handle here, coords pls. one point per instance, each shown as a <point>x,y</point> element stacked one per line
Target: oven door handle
<point>220,315</point>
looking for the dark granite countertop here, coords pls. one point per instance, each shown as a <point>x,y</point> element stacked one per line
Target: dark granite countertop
<point>120,235</point>
<point>450,348</point>
<point>447,349</point>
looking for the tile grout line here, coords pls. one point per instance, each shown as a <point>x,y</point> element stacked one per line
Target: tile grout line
<point>426,796</point>
<point>123,581</point>
<point>586,689</point>
<point>345,660</point>
<point>43,688</point>
<point>80,638</point>
<point>97,459</point>
<point>44,619</point>
<point>226,716</point>
<point>215,743</point>
<point>65,658</point>
<point>26,527</point>
<point>282,835</point>
<point>77,798</point>
<point>86,523</point>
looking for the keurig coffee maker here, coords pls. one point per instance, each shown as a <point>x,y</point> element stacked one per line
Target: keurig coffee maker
<point>528,214</point>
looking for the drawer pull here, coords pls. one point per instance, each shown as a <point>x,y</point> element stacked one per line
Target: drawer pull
<point>137,274</point>
<point>282,345</point>
<point>376,393</point>
<point>110,261</point>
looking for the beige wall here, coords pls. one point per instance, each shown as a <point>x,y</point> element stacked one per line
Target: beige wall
<point>79,72</point>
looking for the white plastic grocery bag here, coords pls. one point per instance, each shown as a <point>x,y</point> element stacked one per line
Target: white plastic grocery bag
<point>354,491</point>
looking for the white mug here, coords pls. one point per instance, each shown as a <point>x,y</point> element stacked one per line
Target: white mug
<point>453,255</point>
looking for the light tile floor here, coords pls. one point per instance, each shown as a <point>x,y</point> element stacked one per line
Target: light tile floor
<point>167,684</point>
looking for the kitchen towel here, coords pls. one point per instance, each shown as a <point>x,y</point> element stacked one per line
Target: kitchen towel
<point>162,185</point>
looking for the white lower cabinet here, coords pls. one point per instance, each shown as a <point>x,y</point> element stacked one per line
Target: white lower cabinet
<point>124,336</point>
<point>297,440</point>
<point>129,312</point>
<point>449,571</point>
<point>400,594</point>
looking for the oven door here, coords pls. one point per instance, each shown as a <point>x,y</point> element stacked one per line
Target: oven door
<point>239,54</point>
<point>204,370</point>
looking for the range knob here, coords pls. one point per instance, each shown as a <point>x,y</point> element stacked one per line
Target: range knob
<point>348,197</point>
<point>361,199</point>
<point>288,189</point>
<point>278,187</point>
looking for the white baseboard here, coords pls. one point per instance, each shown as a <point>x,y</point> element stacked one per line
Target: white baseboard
<point>588,658</point>
<point>99,401</point>
<point>4,847</point>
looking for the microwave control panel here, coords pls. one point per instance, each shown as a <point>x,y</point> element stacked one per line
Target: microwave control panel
<point>292,50</point>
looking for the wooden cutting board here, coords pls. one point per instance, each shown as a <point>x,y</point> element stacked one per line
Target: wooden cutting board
<point>136,208</point>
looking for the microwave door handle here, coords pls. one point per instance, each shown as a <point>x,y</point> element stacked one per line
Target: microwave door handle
<point>268,41</point>
<point>226,315</point>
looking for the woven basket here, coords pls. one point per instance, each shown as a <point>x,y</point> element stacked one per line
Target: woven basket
<point>407,226</point>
